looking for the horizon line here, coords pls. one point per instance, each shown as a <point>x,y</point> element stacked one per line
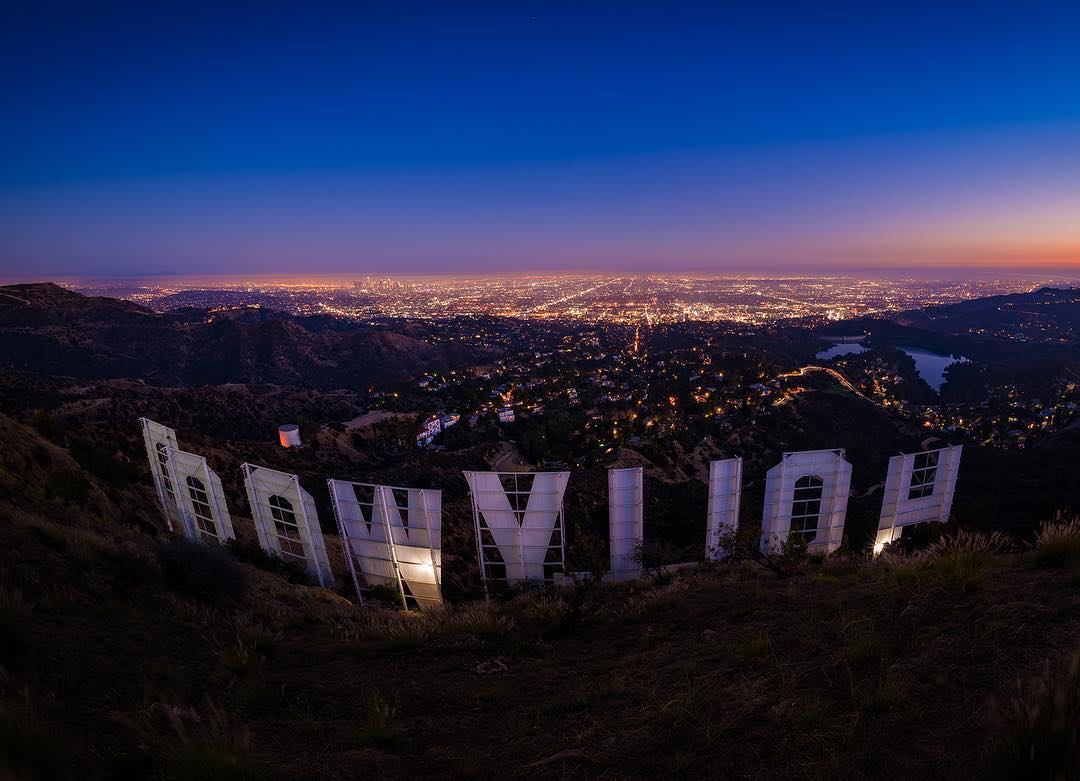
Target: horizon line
<point>782,272</point>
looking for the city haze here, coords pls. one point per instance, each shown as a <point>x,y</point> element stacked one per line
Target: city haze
<point>629,299</point>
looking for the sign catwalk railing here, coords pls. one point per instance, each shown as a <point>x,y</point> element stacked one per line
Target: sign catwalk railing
<point>392,537</point>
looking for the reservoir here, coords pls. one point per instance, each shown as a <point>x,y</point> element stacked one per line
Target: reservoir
<point>848,348</point>
<point>931,366</point>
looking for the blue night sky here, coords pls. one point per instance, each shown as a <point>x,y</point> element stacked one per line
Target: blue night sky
<point>414,137</point>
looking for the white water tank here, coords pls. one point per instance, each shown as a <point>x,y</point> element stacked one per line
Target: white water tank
<point>289,435</point>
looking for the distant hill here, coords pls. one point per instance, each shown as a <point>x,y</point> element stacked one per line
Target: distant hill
<point>46,329</point>
<point>1046,308</point>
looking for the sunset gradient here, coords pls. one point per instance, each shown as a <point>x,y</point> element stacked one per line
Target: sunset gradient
<point>538,137</point>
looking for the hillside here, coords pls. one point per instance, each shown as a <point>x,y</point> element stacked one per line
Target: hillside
<point>126,657</point>
<point>47,330</point>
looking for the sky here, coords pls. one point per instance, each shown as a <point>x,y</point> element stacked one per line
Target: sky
<point>408,137</point>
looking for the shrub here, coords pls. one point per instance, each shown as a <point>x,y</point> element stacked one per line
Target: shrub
<point>384,593</point>
<point>379,727</point>
<point>135,566</point>
<point>587,556</point>
<point>50,427</point>
<point>239,656</point>
<point>548,609</point>
<point>755,646</point>
<point>652,556</point>
<point>784,558</point>
<point>96,458</point>
<point>28,750</point>
<point>41,454</point>
<point>206,573</point>
<point>1058,543</point>
<point>14,622</point>
<point>963,557</point>
<point>292,571</point>
<point>1038,725</point>
<point>963,543</point>
<point>67,485</point>
<point>206,747</point>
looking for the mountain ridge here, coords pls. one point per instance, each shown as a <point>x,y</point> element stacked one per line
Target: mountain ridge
<point>46,329</point>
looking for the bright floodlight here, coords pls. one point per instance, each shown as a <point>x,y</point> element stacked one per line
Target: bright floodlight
<point>286,520</point>
<point>202,500</point>
<point>625,522</point>
<point>807,494</point>
<point>919,488</point>
<point>518,518</point>
<point>159,440</point>
<point>393,536</point>
<point>725,489</point>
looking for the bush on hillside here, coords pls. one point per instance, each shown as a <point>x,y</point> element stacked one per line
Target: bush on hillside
<point>292,571</point>
<point>15,618</point>
<point>964,542</point>
<point>31,749</point>
<point>1039,725</point>
<point>206,573</point>
<point>964,557</point>
<point>653,556</point>
<point>784,558</point>
<point>99,460</point>
<point>50,427</point>
<point>207,745</point>
<point>135,566</point>
<point>68,485</point>
<point>1058,543</point>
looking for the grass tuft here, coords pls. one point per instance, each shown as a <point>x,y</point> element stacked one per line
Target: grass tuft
<point>15,613</point>
<point>1038,725</point>
<point>29,750</point>
<point>964,558</point>
<point>1058,544</point>
<point>380,729</point>
<point>206,746</point>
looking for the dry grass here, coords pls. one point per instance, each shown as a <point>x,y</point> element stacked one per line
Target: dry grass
<point>1038,724</point>
<point>30,748</point>
<point>204,745</point>
<point>1058,543</point>
<point>964,542</point>
<point>965,557</point>
<point>380,727</point>
<point>15,616</point>
<point>478,619</point>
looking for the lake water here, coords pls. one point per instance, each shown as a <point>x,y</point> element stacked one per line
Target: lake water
<point>931,366</point>
<point>846,348</point>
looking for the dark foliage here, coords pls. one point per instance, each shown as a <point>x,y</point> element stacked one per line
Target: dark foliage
<point>208,574</point>
<point>257,557</point>
<point>67,485</point>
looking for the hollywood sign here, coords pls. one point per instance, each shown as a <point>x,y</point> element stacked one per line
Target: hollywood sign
<point>392,536</point>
